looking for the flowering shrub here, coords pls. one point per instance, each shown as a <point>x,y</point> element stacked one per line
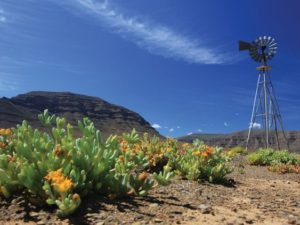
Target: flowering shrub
<point>200,162</point>
<point>58,169</point>
<point>232,152</point>
<point>268,157</point>
<point>284,168</point>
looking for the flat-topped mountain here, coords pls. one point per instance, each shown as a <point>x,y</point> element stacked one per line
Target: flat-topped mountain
<point>107,117</point>
<point>240,138</point>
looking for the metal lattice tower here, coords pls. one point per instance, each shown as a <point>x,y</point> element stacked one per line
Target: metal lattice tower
<point>265,107</point>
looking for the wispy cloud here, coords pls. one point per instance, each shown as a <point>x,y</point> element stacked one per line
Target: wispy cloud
<point>255,125</point>
<point>7,82</point>
<point>171,130</point>
<point>190,133</point>
<point>156,126</point>
<point>2,16</point>
<point>157,39</point>
<point>226,124</point>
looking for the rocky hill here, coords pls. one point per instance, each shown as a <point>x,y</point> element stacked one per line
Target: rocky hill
<point>240,138</point>
<point>108,118</point>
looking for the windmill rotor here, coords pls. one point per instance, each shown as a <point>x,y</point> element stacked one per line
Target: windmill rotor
<point>261,50</point>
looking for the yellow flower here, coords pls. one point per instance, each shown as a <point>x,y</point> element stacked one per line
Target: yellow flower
<point>169,149</point>
<point>196,153</point>
<point>185,145</point>
<point>6,132</point>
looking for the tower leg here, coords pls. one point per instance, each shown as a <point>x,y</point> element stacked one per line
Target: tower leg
<point>253,112</point>
<point>266,110</point>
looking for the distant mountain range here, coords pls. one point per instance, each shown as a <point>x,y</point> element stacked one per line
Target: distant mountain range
<point>239,139</point>
<point>108,118</point>
<point>113,119</point>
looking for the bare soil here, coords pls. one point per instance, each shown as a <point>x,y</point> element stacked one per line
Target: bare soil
<point>256,196</point>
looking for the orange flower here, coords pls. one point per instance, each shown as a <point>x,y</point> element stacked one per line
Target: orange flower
<point>3,144</point>
<point>209,149</point>
<point>58,151</point>
<point>76,197</point>
<point>64,186</point>
<point>143,176</point>
<point>59,180</point>
<point>137,148</point>
<point>8,132</point>
<point>123,145</point>
<point>205,154</point>
<point>121,158</point>
<point>11,158</point>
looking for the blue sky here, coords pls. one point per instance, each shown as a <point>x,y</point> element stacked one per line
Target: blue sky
<point>174,62</point>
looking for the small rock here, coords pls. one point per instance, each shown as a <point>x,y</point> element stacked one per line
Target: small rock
<point>231,222</point>
<point>223,219</point>
<point>153,205</point>
<point>100,223</point>
<point>176,212</point>
<point>136,223</point>
<point>292,219</point>
<point>234,210</point>
<point>157,220</point>
<point>14,201</point>
<point>33,214</point>
<point>41,222</point>
<point>249,221</point>
<point>138,217</point>
<point>205,209</point>
<point>91,214</point>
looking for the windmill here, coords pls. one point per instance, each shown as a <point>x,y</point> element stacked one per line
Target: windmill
<point>265,106</point>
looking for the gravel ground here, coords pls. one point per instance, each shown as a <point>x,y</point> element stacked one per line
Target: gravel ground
<point>256,196</point>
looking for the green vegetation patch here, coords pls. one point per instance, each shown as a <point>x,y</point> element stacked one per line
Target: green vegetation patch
<point>270,157</point>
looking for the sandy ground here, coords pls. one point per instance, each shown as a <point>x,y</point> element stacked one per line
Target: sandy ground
<point>257,197</point>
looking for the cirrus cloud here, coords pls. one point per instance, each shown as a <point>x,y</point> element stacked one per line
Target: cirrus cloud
<point>155,38</point>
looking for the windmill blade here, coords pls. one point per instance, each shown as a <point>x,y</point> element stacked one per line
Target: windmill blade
<point>244,45</point>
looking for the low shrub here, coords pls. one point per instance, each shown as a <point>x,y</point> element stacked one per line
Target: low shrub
<point>284,168</point>
<point>232,152</point>
<point>269,157</point>
<point>201,162</point>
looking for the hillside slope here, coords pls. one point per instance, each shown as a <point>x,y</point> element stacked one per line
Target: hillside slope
<point>108,118</point>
